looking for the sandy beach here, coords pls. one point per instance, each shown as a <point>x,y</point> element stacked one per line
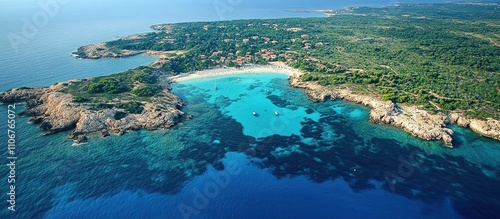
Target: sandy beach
<point>274,67</point>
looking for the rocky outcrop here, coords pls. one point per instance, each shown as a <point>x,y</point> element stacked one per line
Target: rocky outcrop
<point>489,128</point>
<point>163,27</point>
<point>55,111</point>
<point>417,122</point>
<point>100,50</point>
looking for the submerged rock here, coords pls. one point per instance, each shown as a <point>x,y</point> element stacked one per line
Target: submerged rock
<point>81,139</point>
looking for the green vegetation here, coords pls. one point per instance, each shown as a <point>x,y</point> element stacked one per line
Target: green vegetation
<point>442,57</point>
<point>120,115</point>
<point>131,107</point>
<point>128,90</point>
<point>146,91</point>
<point>107,85</point>
<point>144,77</point>
<point>80,100</point>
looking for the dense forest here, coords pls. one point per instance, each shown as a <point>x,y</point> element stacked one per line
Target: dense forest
<point>442,57</point>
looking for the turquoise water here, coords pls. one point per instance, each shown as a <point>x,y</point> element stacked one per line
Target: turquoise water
<point>330,168</point>
<point>241,95</point>
<point>334,165</point>
<point>322,160</point>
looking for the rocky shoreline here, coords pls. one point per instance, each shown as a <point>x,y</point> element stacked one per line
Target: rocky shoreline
<point>100,50</point>
<point>417,122</point>
<point>55,111</point>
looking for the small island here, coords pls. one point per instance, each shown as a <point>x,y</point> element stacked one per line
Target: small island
<point>415,67</point>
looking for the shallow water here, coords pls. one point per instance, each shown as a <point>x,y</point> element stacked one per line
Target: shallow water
<point>313,160</point>
<point>238,96</point>
<point>324,159</point>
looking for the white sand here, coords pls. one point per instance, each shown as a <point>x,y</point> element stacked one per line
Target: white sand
<point>274,67</point>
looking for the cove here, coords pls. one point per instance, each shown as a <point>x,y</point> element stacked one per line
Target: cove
<point>328,161</point>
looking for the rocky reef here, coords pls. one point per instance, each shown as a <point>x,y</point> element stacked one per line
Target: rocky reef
<point>56,111</point>
<point>411,119</point>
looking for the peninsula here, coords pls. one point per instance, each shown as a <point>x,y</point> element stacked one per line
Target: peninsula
<point>132,100</point>
<point>418,67</point>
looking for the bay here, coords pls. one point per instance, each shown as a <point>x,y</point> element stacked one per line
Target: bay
<point>314,160</point>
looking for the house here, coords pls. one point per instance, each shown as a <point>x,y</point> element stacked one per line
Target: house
<point>216,53</point>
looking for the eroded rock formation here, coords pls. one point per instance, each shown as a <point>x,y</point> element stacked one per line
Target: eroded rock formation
<point>55,111</point>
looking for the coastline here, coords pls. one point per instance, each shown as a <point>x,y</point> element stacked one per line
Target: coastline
<point>427,117</point>
<point>272,67</point>
<point>417,122</point>
<point>56,112</point>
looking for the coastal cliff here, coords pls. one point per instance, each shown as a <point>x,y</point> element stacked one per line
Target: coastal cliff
<point>55,110</point>
<point>415,121</point>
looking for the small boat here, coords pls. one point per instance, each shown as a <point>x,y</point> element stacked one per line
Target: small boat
<point>215,85</point>
<point>254,113</point>
<point>276,113</point>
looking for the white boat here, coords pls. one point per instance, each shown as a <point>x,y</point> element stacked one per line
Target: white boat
<point>276,113</point>
<point>254,113</point>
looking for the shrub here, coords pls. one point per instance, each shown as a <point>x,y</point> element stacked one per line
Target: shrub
<point>120,115</point>
<point>146,91</point>
<point>80,100</point>
<point>104,106</point>
<point>106,85</point>
<point>143,78</point>
<point>131,107</point>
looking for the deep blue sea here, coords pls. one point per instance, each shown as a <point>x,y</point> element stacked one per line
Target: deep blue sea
<point>313,160</point>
